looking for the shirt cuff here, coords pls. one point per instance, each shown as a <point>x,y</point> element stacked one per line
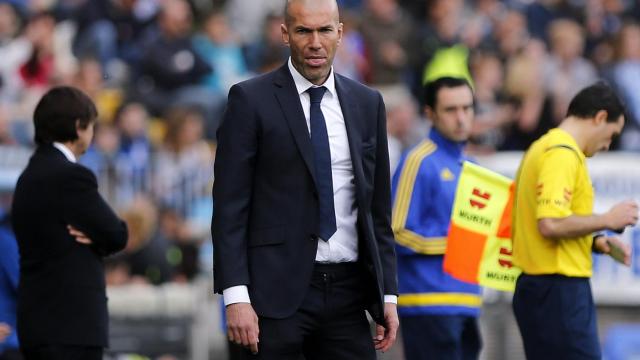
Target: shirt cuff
<point>236,294</point>
<point>391,299</point>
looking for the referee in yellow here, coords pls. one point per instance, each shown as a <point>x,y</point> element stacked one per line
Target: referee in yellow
<point>554,227</point>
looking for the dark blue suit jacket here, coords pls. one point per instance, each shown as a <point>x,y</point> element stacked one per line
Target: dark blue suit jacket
<point>266,204</point>
<point>61,295</point>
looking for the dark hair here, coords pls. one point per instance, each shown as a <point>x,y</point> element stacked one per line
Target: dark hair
<point>590,100</point>
<point>432,88</point>
<point>58,111</point>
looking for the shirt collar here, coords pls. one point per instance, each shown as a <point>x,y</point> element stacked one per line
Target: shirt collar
<point>65,151</point>
<point>571,141</point>
<point>302,84</point>
<point>451,147</point>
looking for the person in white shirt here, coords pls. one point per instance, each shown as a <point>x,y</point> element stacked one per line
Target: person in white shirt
<point>301,226</point>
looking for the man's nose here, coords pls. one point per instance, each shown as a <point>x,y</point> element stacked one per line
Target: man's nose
<point>315,40</point>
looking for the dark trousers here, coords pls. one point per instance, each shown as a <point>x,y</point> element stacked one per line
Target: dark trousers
<point>62,352</point>
<point>445,337</point>
<point>11,354</point>
<point>330,324</point>
<point>556,317</point>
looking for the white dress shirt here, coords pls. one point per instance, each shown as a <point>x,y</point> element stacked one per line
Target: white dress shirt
<point>343,244</point>
<point>65,151</point>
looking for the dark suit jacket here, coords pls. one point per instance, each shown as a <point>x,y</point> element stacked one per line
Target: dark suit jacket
<point>266,204</point>
<point>61,295</point>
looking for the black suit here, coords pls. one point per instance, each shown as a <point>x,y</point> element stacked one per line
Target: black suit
<point>265,198</point>
<point>61,295</point>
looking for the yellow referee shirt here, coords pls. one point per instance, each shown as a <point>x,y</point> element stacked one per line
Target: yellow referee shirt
<point>552,182</point>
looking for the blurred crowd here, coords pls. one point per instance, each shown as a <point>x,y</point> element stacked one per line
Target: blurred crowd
<point>159,71</point>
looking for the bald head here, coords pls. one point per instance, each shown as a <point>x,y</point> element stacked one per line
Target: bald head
<point>309,5</point>
<point>312,30</point>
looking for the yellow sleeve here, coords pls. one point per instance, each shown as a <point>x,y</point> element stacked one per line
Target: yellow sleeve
<point>556,183</point>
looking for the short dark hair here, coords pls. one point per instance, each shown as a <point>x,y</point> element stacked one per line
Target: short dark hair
<point>432,88</point>
<point>590,100</point>
<point>58,111</point>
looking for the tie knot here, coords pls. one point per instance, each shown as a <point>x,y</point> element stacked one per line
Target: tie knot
<point>316,93</point>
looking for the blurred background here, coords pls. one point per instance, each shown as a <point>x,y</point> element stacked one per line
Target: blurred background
<point>159,72</point>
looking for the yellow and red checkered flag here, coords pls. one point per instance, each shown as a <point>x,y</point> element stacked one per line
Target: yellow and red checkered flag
<point>479,241</point>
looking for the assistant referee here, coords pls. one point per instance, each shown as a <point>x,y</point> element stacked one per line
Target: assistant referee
<point>554,227</point>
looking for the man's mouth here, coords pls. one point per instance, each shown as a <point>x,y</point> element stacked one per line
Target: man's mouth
<point>315,61</point>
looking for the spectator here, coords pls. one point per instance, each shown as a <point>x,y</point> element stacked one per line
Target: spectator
<point>626,75</point>
<point>524,87</point>
<point>111,30</point>
<point>350,59</point>
<point>184,163</point>
<point>9,275</point>
<point>492,113</point>
<point>267,52</point>
<point>386,30</point>
<point>566,71</point>
<point>218,46</point>
<point>172,71</point>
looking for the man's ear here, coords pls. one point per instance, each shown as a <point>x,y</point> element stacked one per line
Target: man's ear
<point>429,113</point>
<point>285,34</point>
<point>600,117</point>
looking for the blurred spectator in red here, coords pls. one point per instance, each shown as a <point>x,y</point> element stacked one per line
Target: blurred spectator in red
<point>39,70</point>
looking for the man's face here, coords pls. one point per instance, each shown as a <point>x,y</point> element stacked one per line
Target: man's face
<point>453,113</point>
<point>604,132</point>
<point>313,35</point>
<point>84,138</point>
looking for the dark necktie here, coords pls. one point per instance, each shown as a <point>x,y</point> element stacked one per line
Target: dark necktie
<point>322,159</point>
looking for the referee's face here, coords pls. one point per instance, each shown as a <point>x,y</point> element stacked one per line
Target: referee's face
<point>604,133</point>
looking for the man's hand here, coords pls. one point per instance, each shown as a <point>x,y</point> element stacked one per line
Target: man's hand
<point>604,244</point>
<point>242,326</point>
<point>79,235</point>
<point>386,335</point>
<point>622,215</point>
<point>5,330</point>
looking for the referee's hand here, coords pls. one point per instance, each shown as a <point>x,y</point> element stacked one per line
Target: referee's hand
<point>622,214</point>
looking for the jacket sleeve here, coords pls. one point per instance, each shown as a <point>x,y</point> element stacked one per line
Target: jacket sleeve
<point>232,191</point>
<point>414,223</point>
<point>88,212</point>
<point>381,205</point>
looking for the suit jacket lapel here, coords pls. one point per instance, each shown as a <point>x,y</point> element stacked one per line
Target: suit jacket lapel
<point>352,122</point>
<point>289,100</point>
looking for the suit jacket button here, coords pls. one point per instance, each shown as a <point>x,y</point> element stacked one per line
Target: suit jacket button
<point>314,237</point>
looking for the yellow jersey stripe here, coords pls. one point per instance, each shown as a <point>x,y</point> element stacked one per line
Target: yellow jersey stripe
<point>440,299</point>
<point>420,244</point>
<point>406,183</point>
